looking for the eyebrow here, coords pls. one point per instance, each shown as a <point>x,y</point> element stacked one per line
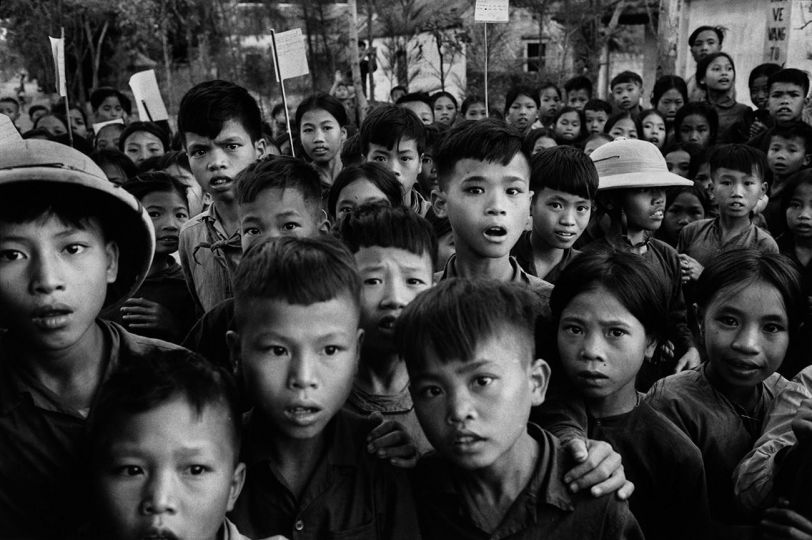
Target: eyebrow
<point>610,322</point>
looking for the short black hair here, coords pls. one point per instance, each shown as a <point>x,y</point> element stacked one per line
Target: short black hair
<point>389,124</point>
<point>694,151</point>
<point>375,173</point>
<point>9,99</point>
<point>629,277</point>
<point>147,127</point>
<point>487,140</point>
<point>581,118</point>
<point>798,129</point>
<point>169,159</point>
<point>720,33</point>
<point>698,160</point>
<point>146,383</point>
<point>116,158</point>
<point>155,182</point>
<point>534,135</point>
<point>762,70</point>
<point>34,108</point>
<point>351,151</point>
<point>387,226</point>
<point>421,97</point>
<point>59,108</point>
<point>596,104</point>
<point>210,104</point>
<point>61,117</point>
<point>579,82</point>
<point>278,108</point>
<point>398,87</point>
<point>800,178</point>
<point>517,91</point>
<point>455,316</point>
<point>790,76</point>
<point>301,271</point>
<point>470,100</point>
<point>278,172</point>
<point>626,77</point>
<point>324,102</point>
<point>98,96</point>
<point>739,157</point>
<point>702,67</point>
<point>666,83</point>
<point>564,168</point>
<point>672,193</point>
<point>702,109</point>
<point>442,93</point>
<point>617,117</point>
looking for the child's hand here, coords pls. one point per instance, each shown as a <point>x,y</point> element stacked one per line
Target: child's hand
<point>689,360</point>
<point>690,268</point>
<point>666,350</point>
<point>757,128</point>
<point>143,314</point>
<point>802,423</point>
<point>600,469</point>
<point>782,523</point>
<point>389,440</point>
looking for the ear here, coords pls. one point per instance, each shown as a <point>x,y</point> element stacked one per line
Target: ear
<point>324,222</point>
<point>651,347</point>
<point>233,341</point>
<point>764,188</point>
<point>359,344</point>
<point>111,252</point>
<point>539,380</point>
<point>235,487</point>
<point>343,135</point>
<point>260,147</point>
<point>438,202</point>
<point>807,158</point>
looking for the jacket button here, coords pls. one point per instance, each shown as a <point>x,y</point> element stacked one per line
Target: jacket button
<point>299,525</point>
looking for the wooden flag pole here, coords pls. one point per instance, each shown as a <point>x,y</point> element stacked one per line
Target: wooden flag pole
<point>487,110</point>
<point>67,104</point>
<point>282,87</point>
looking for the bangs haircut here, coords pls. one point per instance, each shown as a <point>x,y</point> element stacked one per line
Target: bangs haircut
<point>739,157</point>
<point>735,269</point>
<point>457,315</point>
<point>534,135</point>
<point>278,172</point>
<point>701,109</point>
<point>579,82</point>
<point>470,100</point>
<point>325,102</point>
<point>666,83</point>
<point>377,175</point>
<point>209,105</point>
<point>790,76</point>
<point>389,124</point>
<point>389,227</point>
<point>800,178</point>
<point>702,67</point>
<point>487,140</point>
<point>800,130</point>
<point>564,168</point>
<point>514,93</point>
<point>169,159</point>
<point>139,386</point>
<point>116,158</point>
<point>629,277</point>
<point>146,127</point>
<point>626,77</point>
<point>299,271</point>
<point>617,117</point>
<point>351,154</point>
<point>442,93</point>
<point>98,96</point>
<point>598,105</point>
<point>762,70</point>
<point>718,30</point>
<point>701,195</point>
<point>156,182</point>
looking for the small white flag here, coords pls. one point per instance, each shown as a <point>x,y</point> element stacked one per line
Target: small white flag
<point>58,51</point>
<point>8,133</point>
<point>492,11</point>
<point>151,107</point>
<point>290,54</point>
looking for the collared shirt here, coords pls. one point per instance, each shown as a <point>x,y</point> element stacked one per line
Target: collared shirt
<point>541,287</point>
<point>544,509</point>
<point>350,494</point>
<point>43,476</point>
<point>209,258</point>
<point>702,240</point>
<point>523,251</point>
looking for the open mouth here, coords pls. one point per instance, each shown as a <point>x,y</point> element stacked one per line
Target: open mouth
<point>496,232</point>
<point>51,317</point>
<point>743,365</point>
<point>219,181</point>
<point>302,414</point>
<point>387,323</point>
<point>467,440</point>
<point>657,214</point>
<point>161,534</point>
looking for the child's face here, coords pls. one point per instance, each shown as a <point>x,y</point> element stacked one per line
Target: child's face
<point>695,128</point>
<point>169,471</point>
<point>428,173</point>
<point>720,75</point>
<point>110,109</point>
<point>543,143</point>
<point>602,347</point>
<point>444,110</point>
<point>77,122</point>
<point>670,103</point>
<point>53,280</point>
<point>108,137</point>
<point>624,128</point>
<point>360,192</point>
<point>578,98</point>
<point>787,156</point>
<point>737,192</point>
<point>114,173</point>
<point>215,162</point>
<point>706,42</point>
<point>644,208</point>
<point>487,204</point>
<point>799,212</point>
<point>475,411</point>
<point>168,212</point>
<point>445,248</point>
<point>52,125</point>
<point>475,111</point>
<point>10,109</point>
<point>704,179</point>
<point>422,110</point>
<point>786,102</point>
<point>549,102</point>
<point>559,217</point>
<point>595,120</point>
<point>298,361</point>
<point>686,208</point>
<point>279,212</point>
<point>678,162</point>
<point>391,278</point>
<point>746,333</point>
<point>568,126</point>
<point>522,113</point>
<point>760,91</point>
<point>321,135</point>
<point>403,160</point>
<point>654,130</point>
<point>142,145</point>
<point>626,95</point>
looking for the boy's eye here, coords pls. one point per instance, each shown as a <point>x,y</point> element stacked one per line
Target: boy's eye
<point>8,255</point>
<point>514,191</point>
<point>617,332</point>
<point>728,321</point>
<point>128,470</point>
<point>153,214</point>
<point>572,329</point>
<point>475,190</point>
<point>250,231</point>
<point>379,159</point>
<point>182,215</point>
<point>583,209</point>
<point>773,328</point>
<point>373,281</point>
<point>278,351</point>
<point>483,380</point>
<point>75,249</point>
<point>429,391</point>
<point>198,153</point>
<point>291,226</point>
<point>555,205</point>
<point>332,350</point>
<point>415,281</point>
<point>232,147</point>
<point>196,470</point>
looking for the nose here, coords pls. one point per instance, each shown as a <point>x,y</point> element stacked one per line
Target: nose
<point>496,204</point>
<point>394,294</point>
<point>302,372</point>
<point>460,407</point>
<point>217,160</point>
<point>318,135</point>
<point>694,136</point>
<point>158,495</point>
<point>47,275</point>
<point>567,217</point>
<point>746,340</point>
<point>591,349</point>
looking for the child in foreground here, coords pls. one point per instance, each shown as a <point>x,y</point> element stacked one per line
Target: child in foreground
<point>165,449</point>
<point>474,377</point>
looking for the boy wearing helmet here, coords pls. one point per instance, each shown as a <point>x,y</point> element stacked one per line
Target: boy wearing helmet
<point>71,243</point>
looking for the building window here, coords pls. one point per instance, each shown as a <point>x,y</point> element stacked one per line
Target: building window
<point>534,53</point>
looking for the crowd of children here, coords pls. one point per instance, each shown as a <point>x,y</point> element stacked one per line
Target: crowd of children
<point>575,319</point>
